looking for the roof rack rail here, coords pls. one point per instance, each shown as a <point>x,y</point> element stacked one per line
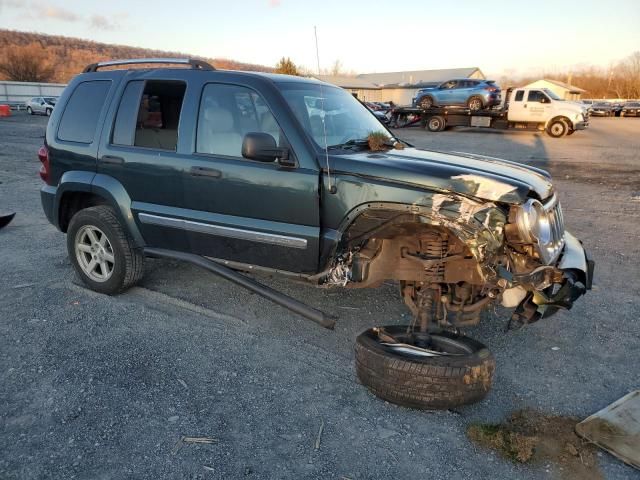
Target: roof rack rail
<point>195,64</point>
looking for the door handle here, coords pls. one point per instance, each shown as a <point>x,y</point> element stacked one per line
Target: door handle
<point>205,172</point>
<point>112,160</point>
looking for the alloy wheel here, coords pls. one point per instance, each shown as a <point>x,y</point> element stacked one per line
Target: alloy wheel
<point>94,253</point>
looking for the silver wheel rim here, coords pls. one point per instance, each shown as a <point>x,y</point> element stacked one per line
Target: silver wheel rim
<point>434,124</point>
<point>94,253</point>
<point>557,129</point>
<point>426,103</point>
<point>475,104</point>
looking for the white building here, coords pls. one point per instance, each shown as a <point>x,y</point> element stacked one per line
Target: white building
<point>398,87</point>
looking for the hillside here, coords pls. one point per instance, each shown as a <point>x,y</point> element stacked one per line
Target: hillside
<point>68,56</point>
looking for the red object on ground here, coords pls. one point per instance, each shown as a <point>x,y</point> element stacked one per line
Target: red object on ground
<point>5,111</point>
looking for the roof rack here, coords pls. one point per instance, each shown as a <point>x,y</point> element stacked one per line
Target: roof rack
<point>195,64</point>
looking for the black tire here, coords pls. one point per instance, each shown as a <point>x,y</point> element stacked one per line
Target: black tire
<point>425,102</point>
<point>424,382</point>
<point>29,111</point>
<point>436,123</point>
<point>48,112</point>
<point>474,104</point>
<point>128,265</point>
<point>558,128</point>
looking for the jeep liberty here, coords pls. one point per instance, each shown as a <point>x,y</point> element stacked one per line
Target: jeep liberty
<point>239,171</point>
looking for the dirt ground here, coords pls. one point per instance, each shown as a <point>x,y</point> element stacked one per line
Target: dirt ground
<point>105,387</point>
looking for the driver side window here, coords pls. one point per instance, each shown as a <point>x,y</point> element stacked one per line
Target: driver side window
<point>227,113</point>
<point>537,96</point>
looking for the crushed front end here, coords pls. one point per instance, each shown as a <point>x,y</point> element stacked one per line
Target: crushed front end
<point>548,267</point>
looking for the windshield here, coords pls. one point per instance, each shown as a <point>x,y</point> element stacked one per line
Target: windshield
<point>50,99</point>
<point>345,118</point>
<point>553,95</point>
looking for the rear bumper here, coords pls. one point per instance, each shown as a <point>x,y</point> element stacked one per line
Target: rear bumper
<point>48,199</point>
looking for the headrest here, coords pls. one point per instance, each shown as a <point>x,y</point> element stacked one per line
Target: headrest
<point>219,119</point>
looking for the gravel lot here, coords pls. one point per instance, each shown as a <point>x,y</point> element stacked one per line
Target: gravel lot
<point>104,387</point>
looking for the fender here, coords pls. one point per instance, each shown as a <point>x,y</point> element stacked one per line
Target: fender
<point>567,115</point>
<point>114,192</point>
<point>71,181</point>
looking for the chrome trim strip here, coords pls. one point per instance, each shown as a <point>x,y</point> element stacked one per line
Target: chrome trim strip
<point>218,230</point>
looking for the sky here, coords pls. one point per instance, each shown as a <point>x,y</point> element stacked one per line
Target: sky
<point>501,37</point>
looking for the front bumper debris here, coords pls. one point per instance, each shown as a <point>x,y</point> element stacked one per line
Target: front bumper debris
<point>574,276</point>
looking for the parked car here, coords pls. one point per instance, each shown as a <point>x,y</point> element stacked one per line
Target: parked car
<point>602,109</point>
<point>466,92</point>
<point>254,171</point>
<point>616,108</point>
<point>42,105</point>
<point>631,109</point>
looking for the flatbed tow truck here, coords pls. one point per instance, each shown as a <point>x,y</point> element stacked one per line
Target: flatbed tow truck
<point>535,109</point>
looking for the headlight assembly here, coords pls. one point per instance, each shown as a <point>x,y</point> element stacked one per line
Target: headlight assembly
<point>538,225</point>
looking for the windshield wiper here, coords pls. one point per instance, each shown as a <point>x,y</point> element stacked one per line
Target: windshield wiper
<point>354,142</point>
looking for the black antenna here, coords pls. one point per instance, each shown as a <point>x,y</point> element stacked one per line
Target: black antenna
<point>332,188</point>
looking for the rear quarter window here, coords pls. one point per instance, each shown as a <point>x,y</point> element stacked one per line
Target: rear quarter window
<point>80,117</point>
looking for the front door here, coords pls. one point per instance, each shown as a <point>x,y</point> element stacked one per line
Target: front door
<point>247,211</point>
<point>529,106</point>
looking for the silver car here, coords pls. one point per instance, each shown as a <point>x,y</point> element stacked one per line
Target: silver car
<point>42,105</point>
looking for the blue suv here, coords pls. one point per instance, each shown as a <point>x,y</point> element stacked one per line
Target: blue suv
<point>467,92</point>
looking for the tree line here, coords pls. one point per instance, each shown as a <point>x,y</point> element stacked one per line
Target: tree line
<point>35,57</point>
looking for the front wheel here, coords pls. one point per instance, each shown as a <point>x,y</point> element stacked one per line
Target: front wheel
<point>460,373</point>
<point>425,102</point>
<point>48,112</point>
<point>101,251</point>
<point>557,128</point>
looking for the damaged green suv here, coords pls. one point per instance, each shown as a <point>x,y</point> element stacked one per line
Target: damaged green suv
<point>238,171</point>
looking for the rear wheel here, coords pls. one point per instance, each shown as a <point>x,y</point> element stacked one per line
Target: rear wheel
<point>453,370</point>
<point>101,251</point>
<point>436,123</point>
<point>48,112</point>
<point>29,111</point>
<point>474,104</point>
<point>557,128</point>
<point>425,102</point>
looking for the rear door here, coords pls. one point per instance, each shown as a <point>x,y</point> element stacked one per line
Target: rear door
<point>258,213</point>
<point>518,111</point>
<point>140,152</point>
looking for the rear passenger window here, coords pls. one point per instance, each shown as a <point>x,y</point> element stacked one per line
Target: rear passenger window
<point>227,114</point>
<point>80,118</point>
<point>149,114</point>
<point>519,95</point>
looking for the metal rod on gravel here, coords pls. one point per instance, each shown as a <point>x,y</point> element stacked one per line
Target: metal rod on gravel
<point>280,298</point>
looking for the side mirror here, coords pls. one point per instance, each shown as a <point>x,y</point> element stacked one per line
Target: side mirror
<point>262,147</point>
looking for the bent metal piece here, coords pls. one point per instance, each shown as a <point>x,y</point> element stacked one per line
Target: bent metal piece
<point>281,299</point>
<point>6,219</point>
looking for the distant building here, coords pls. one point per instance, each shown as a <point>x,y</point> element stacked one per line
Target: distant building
<point>399,87</point>
<point>562,89</point>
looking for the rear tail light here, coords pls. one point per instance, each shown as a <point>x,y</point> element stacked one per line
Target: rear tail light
<point>491,89</point>
<point>45,169</point>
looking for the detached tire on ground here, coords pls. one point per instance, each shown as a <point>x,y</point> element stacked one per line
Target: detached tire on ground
<point>441,382</point>
<point>102,253</point>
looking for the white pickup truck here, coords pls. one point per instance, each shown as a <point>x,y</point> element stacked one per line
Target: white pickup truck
<point>523,108</point>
